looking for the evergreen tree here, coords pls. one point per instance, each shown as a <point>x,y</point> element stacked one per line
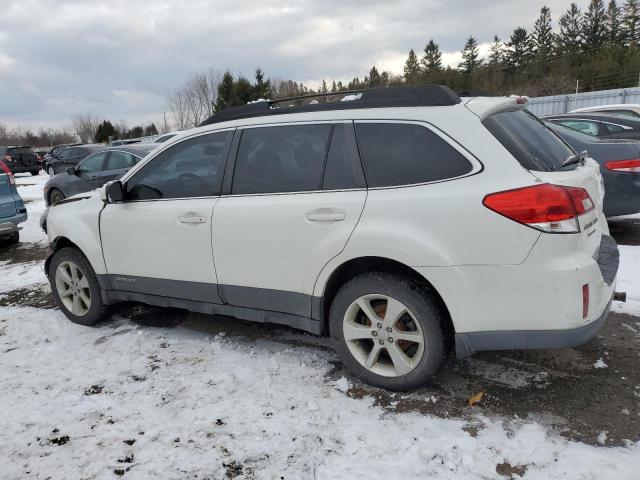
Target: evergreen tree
<point>374,79</point>
<point>151,130</point>
<point>225,92</point>
<point>432,58</point>
<point>334,87</point>
<point>242,92</point>
<point>105,132</point>
<point>542,37</point>
<point>496,52</point>
<point>519,50</point>
<point>593,27</point>
<point>613,25</point>
<point>384,79</point>
<point>412,68</point>
<point>323,88</point>
<point>631,23</point>
<point>569,41</point>
<point>262,88</point>
<point>136,132</point>
<point>470,56</point>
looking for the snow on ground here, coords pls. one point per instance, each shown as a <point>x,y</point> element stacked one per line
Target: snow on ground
<point>629,280</point>
<point>30,189</point>
<point>143,402</point>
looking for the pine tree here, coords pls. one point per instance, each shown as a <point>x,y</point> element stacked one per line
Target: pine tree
<point>374,78</point>
<point>613,25</point>
<point>542,37</point>
<point>412,68</point>
<point>519,50</point>
<point>384,79</point>
<point>262,88</point>
<point>496,52</point>
<point>470,56</point>
<point>432,58</point>
<point>334,87</point>
<point>324,88</point>
<point>569,41</point>
<point>105,132</point>
<point>225,92</point>
<point>631,23</point>
<point>242,92</point>
<point>593,27</point>
<point>151,130</point>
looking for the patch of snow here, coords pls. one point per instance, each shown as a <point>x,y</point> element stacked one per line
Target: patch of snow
<point>629,280</point>
<point>602,437</point>
<point>20,275</point>
<point>31,191</point>
<point>342,384</point>
<point>600,364</point>
<point>351,97</point>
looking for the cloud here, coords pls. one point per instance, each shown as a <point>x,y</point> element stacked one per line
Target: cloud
<point>120,58</point>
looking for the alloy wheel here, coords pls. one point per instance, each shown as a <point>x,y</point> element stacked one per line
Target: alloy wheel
<point>73,289</point>
<point>383,335</point>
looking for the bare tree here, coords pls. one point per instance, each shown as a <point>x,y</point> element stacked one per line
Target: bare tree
<point>205,86</point>
<point>85,125</point>
<point>193,102</point>
<point>178,107</point>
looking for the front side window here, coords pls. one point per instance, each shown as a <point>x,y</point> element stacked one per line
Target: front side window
<point>278,159</point>
<point>120,160</point>
<point>191,168</point>
<point>403,154</point>
<point>93,163</point>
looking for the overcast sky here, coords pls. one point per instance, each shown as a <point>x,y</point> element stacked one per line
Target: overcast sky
<point>119,58</point>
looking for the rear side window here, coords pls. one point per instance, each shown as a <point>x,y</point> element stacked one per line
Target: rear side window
<point>23,153</point>
<point>119,160</point>
<point>281,159</point>
<point>404,154</point>
<point>622,113</point>
<point>530,142</point>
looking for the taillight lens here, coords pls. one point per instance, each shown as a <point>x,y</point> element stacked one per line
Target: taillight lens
<point>7,171</point>
<point>624,165</point>
<point>546,207</point>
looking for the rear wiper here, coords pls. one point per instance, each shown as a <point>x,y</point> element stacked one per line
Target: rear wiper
<point>573,159</point>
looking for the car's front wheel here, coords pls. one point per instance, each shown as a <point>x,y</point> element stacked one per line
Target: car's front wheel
<point>55,196</point>
<point>35,172</point>
<point>75,287</point>
<point>388,330</point>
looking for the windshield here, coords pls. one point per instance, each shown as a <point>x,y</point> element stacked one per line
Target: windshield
<point>529,140</point>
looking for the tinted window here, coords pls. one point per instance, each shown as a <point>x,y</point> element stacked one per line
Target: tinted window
<point>343,165</point>
<point>612,128</point>
<point>622,113</point>
<point>120,160</point>
<point>404,154</point>
<point>281,159</point>
<point>584,126</point>
<point>534,145</point>
<point>191,168</point>
<point>93,163</point>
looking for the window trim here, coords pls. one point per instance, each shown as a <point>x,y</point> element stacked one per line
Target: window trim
<point>233,156</point>
<point>476,165</point>
<point>140,165</point>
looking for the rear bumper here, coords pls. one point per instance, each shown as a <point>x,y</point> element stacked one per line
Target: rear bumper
<point>8,227</point>
<point>469,343</point>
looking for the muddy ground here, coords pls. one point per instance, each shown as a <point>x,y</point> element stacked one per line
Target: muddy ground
<point>581,392</point>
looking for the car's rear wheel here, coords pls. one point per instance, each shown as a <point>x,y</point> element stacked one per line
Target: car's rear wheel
<point>387,330</point>
<point>35,172</point>
<point>55,196</point>
<point>11,239</point>
<point>76,288</point>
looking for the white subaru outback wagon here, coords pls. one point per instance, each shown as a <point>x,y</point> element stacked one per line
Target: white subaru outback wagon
<point>405,223</point>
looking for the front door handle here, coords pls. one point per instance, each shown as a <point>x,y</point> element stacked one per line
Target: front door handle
<point>192,219</point>
<point>325,215</point>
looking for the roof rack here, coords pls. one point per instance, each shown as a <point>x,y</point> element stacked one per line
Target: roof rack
<point>404,96</point>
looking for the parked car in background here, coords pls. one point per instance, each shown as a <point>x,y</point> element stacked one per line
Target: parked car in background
<point>20,159</point>
<point>404,223</point>
<point>165,137</point>
<point>70,157</point>
<point>94,171</point>
<point>599,125</point>
<point>619,164</point>
<point>116,143</point>
<point>12,209</point>
<point>619,109</point>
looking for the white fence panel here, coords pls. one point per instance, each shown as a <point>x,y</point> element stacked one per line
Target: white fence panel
<point>565,103</point>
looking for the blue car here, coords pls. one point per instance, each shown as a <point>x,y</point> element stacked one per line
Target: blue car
<point>12,209</point>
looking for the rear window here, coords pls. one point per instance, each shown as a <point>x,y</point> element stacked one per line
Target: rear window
<point>21,152</point>
<point>404,154</point>
<point>534,145</point>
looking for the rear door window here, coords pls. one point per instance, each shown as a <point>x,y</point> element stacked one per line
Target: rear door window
<point>531,143</point>
<point>93,163</point>
<point>278,159</point>
<point>404,154</point>
<point>120,160</point>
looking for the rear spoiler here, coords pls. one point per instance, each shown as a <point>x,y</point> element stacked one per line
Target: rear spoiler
<point>484,107</point>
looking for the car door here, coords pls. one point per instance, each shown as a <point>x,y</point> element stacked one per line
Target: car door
<point>84,179</point>
<point>158,240</point>
<point>63,160</point>
<point>294,197</point>
<point>118,163</point>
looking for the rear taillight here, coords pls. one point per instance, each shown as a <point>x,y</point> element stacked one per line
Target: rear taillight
<point>7,171</point>
<point>548,208</point>
<point>624,165</point>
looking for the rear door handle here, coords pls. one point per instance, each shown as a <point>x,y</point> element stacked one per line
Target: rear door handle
<point>325,215</point>
<point>192,219</point>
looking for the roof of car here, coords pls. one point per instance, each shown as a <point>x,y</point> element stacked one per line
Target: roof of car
<point>602,117</point>
<point>139,149</point>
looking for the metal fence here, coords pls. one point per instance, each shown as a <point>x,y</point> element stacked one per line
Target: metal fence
<point>565,103</point>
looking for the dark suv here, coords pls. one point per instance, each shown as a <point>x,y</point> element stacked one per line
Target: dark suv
<point>20,159</point>
<point>70,157</point>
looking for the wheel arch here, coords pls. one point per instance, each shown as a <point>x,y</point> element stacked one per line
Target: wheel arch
<point>57,244</point>
<point>359,265</point>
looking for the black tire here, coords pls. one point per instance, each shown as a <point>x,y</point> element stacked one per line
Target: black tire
<point>97,311</point>
<point>422,304</point>
<point>55,195</point>
<point>11,239</point>
<point>35,172</point>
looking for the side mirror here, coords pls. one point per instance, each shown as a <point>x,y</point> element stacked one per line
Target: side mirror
<point>112,192</point>
<point>72,171</point>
